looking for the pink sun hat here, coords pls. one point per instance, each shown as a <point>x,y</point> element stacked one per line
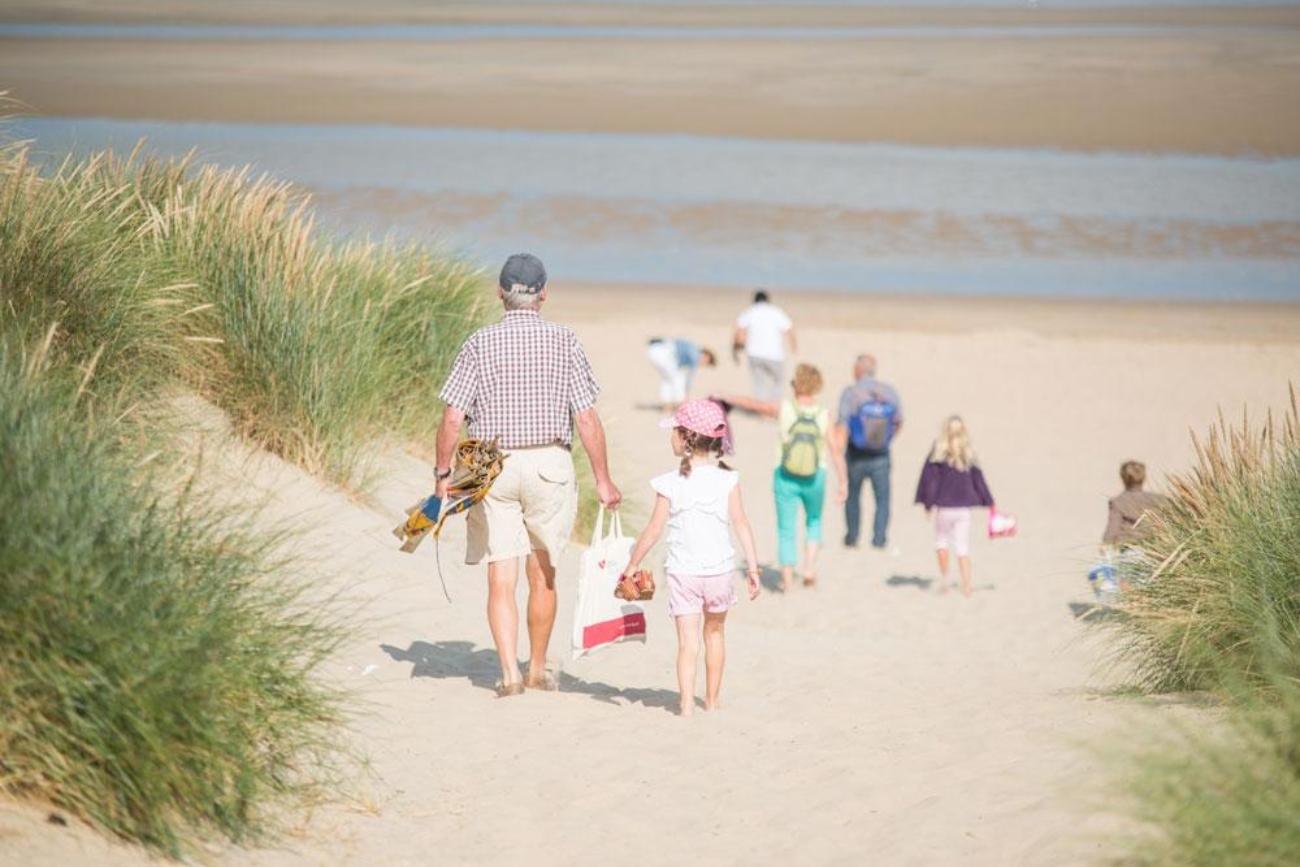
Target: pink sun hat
<point>704,417</point>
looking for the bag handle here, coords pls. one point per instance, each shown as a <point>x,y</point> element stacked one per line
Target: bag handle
<point>615,529</point>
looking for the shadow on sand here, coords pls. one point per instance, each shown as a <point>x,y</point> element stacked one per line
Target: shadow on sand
<point>444,660</point>
<point>770,578</point>
<point>926,584</point>
<point>1092,612</point>
<point>910,581</point>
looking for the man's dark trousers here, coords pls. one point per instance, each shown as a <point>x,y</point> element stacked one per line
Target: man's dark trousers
<point>862,467</point>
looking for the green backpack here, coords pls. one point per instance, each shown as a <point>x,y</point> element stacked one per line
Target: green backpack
<point>801,452</point>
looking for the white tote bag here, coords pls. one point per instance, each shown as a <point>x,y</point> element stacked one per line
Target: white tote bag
<point>601,618</point>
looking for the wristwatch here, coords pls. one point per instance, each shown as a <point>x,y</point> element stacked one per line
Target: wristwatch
<point>442,475</point>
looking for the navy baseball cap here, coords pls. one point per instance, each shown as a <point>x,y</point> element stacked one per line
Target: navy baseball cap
<point>523,272</point>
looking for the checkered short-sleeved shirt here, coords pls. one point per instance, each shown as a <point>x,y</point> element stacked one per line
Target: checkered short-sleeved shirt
<point>521,381</point>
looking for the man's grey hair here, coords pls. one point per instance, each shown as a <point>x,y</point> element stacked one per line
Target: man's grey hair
<point>521,298</point>
<point>865,363</point>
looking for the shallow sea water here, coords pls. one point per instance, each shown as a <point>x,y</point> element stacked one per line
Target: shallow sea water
<point>853,217</point>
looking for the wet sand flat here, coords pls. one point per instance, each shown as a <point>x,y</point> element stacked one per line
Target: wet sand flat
<point>1204,91</point>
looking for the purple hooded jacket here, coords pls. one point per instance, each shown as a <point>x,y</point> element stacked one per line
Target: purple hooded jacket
<point>944,487</point>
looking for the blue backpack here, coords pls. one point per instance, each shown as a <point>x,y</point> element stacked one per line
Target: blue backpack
<point>872,427</point>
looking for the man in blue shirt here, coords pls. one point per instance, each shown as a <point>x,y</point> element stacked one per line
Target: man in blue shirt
<point>677,359</point>
<point>870,415</point>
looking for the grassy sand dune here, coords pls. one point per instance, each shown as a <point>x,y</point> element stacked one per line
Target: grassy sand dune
<point>1215,606</point>
<point>159,668</point>
<point>158,271</point>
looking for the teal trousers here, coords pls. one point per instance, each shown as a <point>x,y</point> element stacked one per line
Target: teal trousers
<point>790,493</point>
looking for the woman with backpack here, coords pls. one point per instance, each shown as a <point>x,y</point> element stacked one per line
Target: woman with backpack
<point>800,475</point>
<point>799,478</point>
<point>951,485</point>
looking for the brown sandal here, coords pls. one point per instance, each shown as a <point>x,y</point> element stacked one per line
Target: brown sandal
<point>545,683</point>
<point>645,585</point>
<point>636,588</point>
<point>505,690</point>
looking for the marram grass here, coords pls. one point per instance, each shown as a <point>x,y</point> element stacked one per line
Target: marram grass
<point>1218,593</point>
<point>1215,606</point>
<point>157,668</point>
<point>1223,794</point>
<point>155,679</point>
<point>315,349</point>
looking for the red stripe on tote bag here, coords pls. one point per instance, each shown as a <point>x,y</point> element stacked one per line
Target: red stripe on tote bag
<point>612,630</point>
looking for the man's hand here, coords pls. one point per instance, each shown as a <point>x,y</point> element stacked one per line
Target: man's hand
<point>754,586</point>
<point>592,434</point>
<point>608,492</point>
<point>440,489</point>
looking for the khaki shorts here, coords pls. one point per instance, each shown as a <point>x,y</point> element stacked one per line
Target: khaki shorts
<point>531,507</point>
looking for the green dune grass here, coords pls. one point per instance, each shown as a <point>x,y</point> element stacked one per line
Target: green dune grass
<point>154,679</point>
<point>160,271</point>
<point>157,665</point>
<point>1217,597</point>
<point>1216,606</point>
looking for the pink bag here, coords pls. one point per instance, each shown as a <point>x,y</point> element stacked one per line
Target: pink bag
<point>1002,525</point>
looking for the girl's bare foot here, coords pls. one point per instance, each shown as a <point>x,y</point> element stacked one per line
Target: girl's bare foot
<point>787,579</point>
<point>686,710</point>
<point>712,705</point>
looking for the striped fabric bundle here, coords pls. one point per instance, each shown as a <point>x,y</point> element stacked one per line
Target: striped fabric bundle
<point>478,463</point>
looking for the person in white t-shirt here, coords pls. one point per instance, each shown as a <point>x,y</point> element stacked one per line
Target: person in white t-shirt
<point>699,503</point>
<point>765,332</point>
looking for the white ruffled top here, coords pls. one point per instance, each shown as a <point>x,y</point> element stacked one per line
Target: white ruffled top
<point>699,527</point>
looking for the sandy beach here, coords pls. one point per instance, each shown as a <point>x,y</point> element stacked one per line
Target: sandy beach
<point>871,720</point>
<point>1191,87</point>
<point>868,716</point>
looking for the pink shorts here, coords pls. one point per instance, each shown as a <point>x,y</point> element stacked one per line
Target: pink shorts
<point>952,530</point>
<point>691,594</point>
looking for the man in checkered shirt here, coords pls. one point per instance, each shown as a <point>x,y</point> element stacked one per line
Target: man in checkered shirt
<point>526,383</point>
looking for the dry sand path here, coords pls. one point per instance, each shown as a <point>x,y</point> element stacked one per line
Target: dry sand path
<point>869,721</point>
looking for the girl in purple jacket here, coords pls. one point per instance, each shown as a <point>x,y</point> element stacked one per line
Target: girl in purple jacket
<point>951,485</point>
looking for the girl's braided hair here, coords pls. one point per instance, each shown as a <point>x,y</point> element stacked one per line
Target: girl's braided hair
<point>695,444</point>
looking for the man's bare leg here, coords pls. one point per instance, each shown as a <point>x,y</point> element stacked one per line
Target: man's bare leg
<point>541,610</point>
<point>503,615</point>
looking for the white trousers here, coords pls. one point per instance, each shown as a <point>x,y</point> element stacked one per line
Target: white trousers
<point>674,379</point>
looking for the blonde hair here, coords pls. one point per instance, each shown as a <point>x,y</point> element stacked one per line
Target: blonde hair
<point>807,380</point>
<point>953,445</point>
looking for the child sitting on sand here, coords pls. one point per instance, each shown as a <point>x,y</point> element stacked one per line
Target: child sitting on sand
<point>1126,517</point>
<point>700,504</point>
<point>951,484</point>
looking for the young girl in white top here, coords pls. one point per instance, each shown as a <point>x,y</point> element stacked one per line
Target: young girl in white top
<point>699,502</point>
